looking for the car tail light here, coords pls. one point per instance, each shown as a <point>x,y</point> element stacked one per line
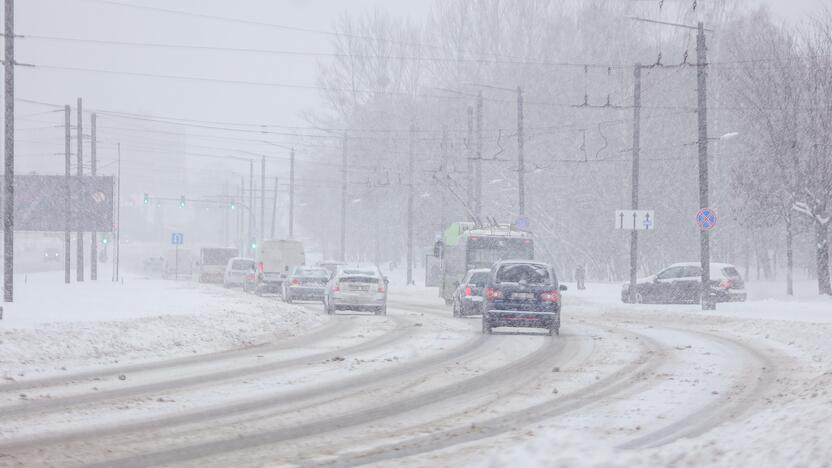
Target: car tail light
<point>295,281</point>
<point>380,289</point>
<point>493,293</point>
<point>551,296</point>
<point>260,267</point>
<point>336,288</point>
<point>468,292</point>
<point>726,284</point>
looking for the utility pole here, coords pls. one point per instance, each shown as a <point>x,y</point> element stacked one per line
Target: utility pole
<point>250,205</point>
<point>240,215</point>
<point>79,235</point>
<point>8,217</point>
<point>444,158</point>
<point>93,234</point>
<point>118,214</point>
<point>702,98</point>
<point>410,206</point>
<point>521,163</point>
<point>478,162</point>
<point>274,207</point>
<point>262,198</point>
<point>226,240</point>
<point>470,157</point>
<point>292,195</point>
<point>67,191</point>
<point>343,199</point>
<point>636,154</point>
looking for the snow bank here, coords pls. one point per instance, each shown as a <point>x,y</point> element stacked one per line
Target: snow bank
<point>55,326</point>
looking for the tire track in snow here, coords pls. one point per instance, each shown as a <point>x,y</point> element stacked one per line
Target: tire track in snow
<point>548,348</point>
<point>44,406</point>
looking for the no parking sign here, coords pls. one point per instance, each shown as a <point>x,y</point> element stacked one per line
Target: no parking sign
<point>706,219</point>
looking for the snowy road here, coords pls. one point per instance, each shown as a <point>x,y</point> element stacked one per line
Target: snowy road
<point>632,385</point>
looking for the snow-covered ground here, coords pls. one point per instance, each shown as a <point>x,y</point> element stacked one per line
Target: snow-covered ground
<point>154,372</point>
<point>52,326</point>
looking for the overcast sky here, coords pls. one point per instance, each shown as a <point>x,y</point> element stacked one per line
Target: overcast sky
<point>192,99</point>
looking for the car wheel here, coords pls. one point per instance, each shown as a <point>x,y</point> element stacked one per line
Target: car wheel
<point>381,310</point>
<point>486,326</point>
<point>329,308</point>
<point>456,309</point>
<point>287,298</point>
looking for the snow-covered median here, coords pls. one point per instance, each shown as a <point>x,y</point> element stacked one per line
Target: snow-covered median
<point>53,326</point>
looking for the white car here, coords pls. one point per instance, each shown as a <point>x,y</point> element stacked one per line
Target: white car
<point>359,287</point>
<point>236,270</point>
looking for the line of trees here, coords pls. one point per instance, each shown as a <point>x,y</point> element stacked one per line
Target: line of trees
<point>573,62</point>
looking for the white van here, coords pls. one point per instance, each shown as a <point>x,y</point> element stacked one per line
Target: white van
<point>237,270</point>
<point>212,261</point>
<point>275,261</point>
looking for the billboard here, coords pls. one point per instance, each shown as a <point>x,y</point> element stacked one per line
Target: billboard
<point>40,203</point>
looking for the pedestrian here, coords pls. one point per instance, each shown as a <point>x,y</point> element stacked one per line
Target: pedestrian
<point>580,277</point>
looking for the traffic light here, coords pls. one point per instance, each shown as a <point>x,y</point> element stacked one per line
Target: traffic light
<point>105,240</point>
<point>253,244</point>
<point>182,201</point>
<point>146,199</point>
<point>233,205</point>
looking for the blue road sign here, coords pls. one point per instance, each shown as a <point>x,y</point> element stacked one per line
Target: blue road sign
<point>522,223</point>
<point>177,238</point>
<point>706,219</point>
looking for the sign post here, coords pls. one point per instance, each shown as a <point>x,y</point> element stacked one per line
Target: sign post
<point>706,220</point>
<point>177,239</point>
<point>634,221</point>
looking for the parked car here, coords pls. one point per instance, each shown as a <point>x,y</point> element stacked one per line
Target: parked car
<point>680,283</point>
<point>522,293</point>
<point>305,283</point>
<point>51,255</point>
<point>467,298</point>
<point>236,271</point>
<point>360,287</point>
<point>153,266</point>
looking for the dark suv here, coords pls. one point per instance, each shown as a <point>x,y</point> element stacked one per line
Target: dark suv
<point>522,294</point>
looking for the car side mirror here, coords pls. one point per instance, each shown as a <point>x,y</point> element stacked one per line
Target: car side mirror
<point>386,281</point>
<point>563,287</point>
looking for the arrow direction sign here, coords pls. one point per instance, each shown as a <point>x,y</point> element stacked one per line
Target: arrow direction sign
<point>642,220</point>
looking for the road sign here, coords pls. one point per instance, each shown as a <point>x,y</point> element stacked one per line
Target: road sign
<point>635,220</point>
<point>706,219</point>
<point>522,223</point>
<point>177,238</point>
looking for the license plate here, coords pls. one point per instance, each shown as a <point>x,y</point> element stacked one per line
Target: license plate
<point>522,296</point>
<point>359,288</point>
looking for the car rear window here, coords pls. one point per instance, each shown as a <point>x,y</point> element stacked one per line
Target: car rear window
<point>479,278</point>
<point>731,272</point>
<point>526,273</point>
<point>358,279</point>
<point>312,272</point>
<point>364,272</point>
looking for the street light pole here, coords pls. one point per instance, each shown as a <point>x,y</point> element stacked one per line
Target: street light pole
<point>702,104</point>
<point>521,163</point>
<point>635,177</point>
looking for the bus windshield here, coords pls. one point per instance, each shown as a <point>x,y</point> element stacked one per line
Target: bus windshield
<point>484,251</point>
